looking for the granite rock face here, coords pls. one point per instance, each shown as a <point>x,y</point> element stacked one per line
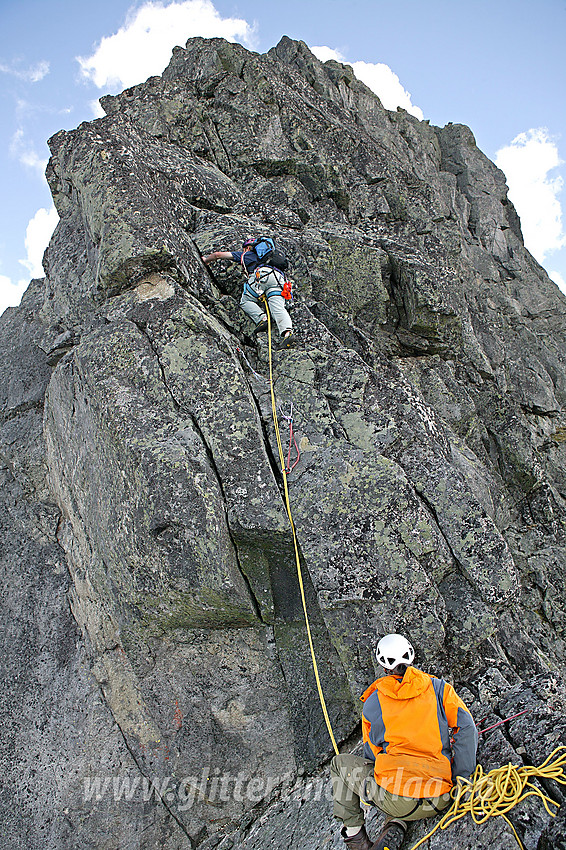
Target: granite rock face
<point>161,686</point>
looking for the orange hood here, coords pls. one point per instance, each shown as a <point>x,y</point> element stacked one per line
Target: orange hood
<point>413,683</point>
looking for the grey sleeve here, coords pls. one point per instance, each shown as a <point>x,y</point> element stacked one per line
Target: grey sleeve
<point>465,746</point>
<point>372,712</point>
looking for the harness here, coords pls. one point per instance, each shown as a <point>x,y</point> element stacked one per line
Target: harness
<point>262,273</point>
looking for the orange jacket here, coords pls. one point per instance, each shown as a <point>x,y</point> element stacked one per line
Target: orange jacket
<point>406,725</point>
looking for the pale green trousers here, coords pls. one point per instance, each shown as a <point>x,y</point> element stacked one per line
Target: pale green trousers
<point>353,782</point>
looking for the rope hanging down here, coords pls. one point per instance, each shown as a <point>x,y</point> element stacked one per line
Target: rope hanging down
<point>494,794</point>
<point>295,544</point>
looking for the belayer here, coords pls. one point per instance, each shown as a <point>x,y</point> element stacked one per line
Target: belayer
<point>410,760</point>
<point>264,268</point>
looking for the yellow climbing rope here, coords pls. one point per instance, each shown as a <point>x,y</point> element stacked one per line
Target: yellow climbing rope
<point>295,544</point>
<point>494,794</point>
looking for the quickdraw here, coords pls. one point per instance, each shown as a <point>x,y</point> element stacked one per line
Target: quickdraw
<point>289,417</point>
<point>292,439</point>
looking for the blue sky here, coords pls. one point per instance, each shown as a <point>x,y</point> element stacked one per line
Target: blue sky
<point>495,65</point>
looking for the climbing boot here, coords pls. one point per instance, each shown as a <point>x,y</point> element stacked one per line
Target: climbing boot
<point>286,340</point>
<point>261,327</point>
<point>359,841</point>
<point>391,836</point>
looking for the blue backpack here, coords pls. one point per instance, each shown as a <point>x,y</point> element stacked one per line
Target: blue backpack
<point>264,246</point>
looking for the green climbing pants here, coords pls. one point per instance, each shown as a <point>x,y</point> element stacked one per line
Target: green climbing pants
<point>353,781</point>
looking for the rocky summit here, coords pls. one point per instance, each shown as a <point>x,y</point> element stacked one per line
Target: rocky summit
<point>158,684</point>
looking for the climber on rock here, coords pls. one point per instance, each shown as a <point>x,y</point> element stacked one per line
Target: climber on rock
<point>410,761</point>
<point>265,276</point>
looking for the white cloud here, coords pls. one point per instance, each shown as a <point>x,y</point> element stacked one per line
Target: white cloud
<point>11,293</point>
<point>24,151</point>
<point>142,47</point>
<point>38,72</point>
<point>31,159</point>
<point>558,280</point>
<point>33,74</point>
<point>38,234</point>
<point>378,77</point>
<point>97,110</point>
<point>325,53</point>
<point>527,162</point>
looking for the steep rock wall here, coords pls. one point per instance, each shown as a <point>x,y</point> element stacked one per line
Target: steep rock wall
<point>156,629</point>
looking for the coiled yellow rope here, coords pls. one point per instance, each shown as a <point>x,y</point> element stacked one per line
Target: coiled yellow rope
<point>493,794</point>
<point>296,547</point>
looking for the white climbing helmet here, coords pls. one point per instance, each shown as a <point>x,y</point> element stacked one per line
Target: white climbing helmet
<point>393,650</point>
